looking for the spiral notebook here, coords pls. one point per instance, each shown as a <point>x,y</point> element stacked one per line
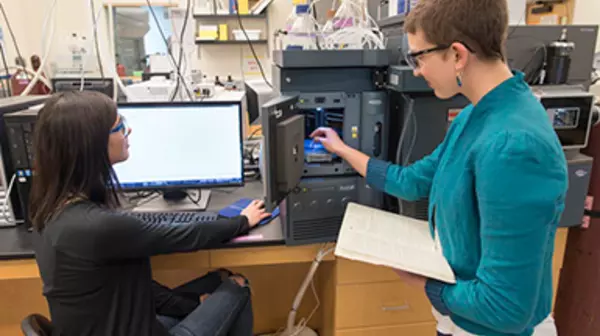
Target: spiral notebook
<point>382,238</point>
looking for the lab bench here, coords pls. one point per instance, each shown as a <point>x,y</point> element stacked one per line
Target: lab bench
<point>356,299</point>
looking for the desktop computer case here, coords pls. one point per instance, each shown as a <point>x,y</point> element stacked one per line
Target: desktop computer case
<point>19,129</point>
<point>7,107</point>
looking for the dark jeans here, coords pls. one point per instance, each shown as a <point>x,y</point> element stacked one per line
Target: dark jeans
<point>226,312</point>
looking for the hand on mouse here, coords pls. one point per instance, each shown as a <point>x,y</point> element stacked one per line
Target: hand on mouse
<point>255,212</point>
<point>329,138</point>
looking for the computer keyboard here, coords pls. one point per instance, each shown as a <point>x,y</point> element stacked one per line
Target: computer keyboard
<point>174,218</point>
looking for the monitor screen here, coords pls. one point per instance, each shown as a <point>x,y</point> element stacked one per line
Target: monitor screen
<point>182,145</point>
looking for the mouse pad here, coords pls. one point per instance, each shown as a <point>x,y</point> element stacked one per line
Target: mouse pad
<point>236,208</point>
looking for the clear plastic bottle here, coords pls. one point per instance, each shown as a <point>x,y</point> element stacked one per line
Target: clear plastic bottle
<point>289,22</point>
<point>346,15</point>
<point>302,35</point>
<point>346,24</point>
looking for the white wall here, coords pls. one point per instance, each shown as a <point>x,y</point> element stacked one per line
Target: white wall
<point>74,16</point>
<point>587,12</point>
<point>71,16</point>
<point>27,32</point>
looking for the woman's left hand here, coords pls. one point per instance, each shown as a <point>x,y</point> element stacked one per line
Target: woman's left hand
<point>411,279</point>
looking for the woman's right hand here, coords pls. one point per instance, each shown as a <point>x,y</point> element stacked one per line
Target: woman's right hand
<point>330,139</point>
<point>255,212</point>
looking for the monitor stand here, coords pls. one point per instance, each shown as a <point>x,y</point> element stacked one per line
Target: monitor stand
<point>175,200</point>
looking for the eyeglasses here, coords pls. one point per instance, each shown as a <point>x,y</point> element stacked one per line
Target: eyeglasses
<point>412,58</point>
<point>121,126</point>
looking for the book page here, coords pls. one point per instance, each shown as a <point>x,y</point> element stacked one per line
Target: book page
<point>382,238</point>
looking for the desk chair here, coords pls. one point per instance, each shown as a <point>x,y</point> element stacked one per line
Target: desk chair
<point>36,325</point>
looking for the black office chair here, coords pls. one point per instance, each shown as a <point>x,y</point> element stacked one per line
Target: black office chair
<point>36,325</point>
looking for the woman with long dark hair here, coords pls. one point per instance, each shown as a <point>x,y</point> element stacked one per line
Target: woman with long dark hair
<point>94,260</point>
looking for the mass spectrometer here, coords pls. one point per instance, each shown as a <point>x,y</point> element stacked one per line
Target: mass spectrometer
<point>341,90</point>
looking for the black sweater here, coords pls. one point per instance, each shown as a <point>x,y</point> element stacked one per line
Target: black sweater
<point>95,266</point>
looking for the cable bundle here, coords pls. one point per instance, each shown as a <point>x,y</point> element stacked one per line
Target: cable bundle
<point>353,28</point>
<point>348,27</point>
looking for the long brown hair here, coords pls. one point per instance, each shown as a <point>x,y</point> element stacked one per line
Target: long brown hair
<point>71,154</point>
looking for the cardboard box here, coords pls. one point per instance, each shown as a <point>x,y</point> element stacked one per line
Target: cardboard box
<point>547,14</point>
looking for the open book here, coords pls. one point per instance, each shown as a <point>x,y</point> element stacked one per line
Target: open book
<point>378,237</point>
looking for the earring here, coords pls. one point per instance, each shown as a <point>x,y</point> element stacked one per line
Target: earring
<point>459,80</point>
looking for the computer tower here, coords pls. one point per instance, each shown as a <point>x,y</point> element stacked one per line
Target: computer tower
<point>19,129</point>
<point>8,106</point>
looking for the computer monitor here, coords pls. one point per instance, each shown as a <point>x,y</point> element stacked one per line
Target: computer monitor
<point>258,93</point>
<point>182,145</point>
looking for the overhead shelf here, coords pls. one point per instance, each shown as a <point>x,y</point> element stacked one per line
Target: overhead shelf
<point>201,42</point>
<point>229,16</point>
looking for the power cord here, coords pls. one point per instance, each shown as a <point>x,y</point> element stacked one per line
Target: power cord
<point>95,23</point>
<point>141,195</point>
<point>162,34</point>
<point>95,29</point>
<point>48,36</point>
<point>195,201</point>
<point>251,150</point>
<point>262,71</point>
<point>414,139</point>
<point>399,161</point>
<point>140,199</point>
<point>535,75</point>
<point>182,34</point>
<point>8,87</point>
<point>514,29</point>
<point>315,16</point>
<point>9,220</point>
<point>4,91</point>
<point>12,36</point>
<point>258,129</point>
<point>291,328</point>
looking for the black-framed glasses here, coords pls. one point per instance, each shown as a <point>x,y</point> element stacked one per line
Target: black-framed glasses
<point>412,58</point>
<point>121,126</point>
